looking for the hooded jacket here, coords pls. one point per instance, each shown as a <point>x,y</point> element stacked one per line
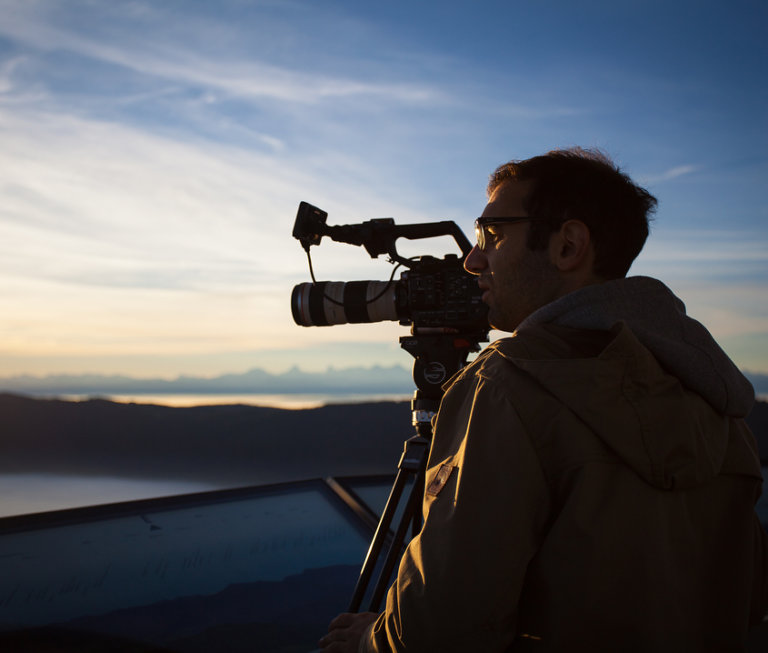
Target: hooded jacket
<point>590,487</point>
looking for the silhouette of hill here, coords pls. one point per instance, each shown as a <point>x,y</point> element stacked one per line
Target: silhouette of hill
<point>220,444</point>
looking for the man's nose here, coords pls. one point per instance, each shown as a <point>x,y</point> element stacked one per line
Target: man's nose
<point>475,262</point>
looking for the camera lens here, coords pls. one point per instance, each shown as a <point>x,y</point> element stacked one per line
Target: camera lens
<point>338,302</point>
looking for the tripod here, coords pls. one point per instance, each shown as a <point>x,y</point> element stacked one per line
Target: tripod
<point>437,357</point>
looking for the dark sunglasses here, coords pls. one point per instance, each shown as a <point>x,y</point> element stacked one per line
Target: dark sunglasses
<point>482,223</point>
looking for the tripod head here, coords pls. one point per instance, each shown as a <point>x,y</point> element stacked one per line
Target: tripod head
<point>438,354</point>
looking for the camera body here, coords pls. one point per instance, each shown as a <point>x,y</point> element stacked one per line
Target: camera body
<point>435,294</point>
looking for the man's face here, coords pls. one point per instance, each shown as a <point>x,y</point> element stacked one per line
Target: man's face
<point>516,281</point>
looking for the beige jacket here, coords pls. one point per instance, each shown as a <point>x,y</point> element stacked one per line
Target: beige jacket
<point>580,498</point>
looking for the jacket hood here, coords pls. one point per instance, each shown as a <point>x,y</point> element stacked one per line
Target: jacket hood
<point>654,386</point>
<point>682,346</point>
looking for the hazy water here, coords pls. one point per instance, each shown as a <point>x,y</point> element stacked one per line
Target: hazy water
<point>28,493</point>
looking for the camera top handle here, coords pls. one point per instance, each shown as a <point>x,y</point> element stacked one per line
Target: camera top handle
<point>377,236</point>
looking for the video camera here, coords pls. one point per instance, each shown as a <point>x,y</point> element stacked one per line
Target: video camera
<point>441,302</point>
<point>432,295</point>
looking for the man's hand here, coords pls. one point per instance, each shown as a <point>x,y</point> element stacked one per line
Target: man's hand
<point>345,631</point>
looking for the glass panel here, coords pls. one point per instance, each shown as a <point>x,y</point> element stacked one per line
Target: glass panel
<point>176,577</point>
<point>375,495</point>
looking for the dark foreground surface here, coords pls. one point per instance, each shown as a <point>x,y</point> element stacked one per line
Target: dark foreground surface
<point>278,617</point>
<point>260,569</point>
<point>248,570</point>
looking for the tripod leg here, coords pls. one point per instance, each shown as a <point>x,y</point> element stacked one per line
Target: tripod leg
<point>382,531</point>
<point>412,462</point>
<point>395,550</point>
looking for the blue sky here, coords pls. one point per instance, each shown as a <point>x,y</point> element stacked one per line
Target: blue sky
<point>154,153</point>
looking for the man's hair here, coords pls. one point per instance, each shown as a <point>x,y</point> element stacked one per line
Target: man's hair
<point>585,185</point>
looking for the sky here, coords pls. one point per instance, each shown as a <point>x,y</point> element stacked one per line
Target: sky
<point>153,155</point>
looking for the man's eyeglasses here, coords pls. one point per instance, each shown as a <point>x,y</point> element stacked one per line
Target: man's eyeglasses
<point>482,223</point>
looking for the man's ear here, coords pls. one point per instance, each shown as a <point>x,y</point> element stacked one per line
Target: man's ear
<point>570,248</point>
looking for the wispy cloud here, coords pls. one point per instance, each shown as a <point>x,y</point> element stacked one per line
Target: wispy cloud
<point>184,62</point>
<point>7,69</point>
<point>118,241</point>
<point>153,160</point>
<point>721,306</point>
<point>138,194</point>
<point>720,275</point>
<point>670,174</point>
<point>707,247</point>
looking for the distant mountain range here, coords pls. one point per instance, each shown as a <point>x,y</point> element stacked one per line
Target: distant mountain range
<point>758,381</point>
<point>355,380</point>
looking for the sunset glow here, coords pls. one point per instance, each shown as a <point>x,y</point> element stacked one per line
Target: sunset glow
<point>154,154</point>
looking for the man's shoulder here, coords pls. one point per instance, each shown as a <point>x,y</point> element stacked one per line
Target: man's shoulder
<point>548,355</point>
<point>549,341</point>
<point>501,359</point>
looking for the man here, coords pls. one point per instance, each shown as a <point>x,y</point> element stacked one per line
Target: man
<point>591,481</point>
